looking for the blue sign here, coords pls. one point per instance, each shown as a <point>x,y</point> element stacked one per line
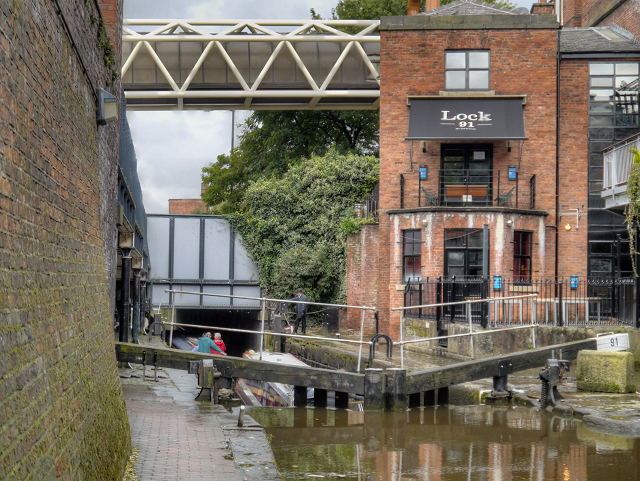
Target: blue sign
<point>513,173</point>
<point>574,282</point>
<point>497,283</point>
<point>423,172</point>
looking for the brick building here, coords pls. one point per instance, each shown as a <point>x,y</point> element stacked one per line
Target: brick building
<point>493,123</point>
<point>188,206</point>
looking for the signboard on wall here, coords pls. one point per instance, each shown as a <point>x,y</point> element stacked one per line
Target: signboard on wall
<point>466,119</point>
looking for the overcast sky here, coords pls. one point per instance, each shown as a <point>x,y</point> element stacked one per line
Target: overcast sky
<point>172,147</point>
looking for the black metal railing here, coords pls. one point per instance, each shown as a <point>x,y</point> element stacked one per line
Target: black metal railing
<point>373,203</point>
<point>574,301</point>
<point>466,188</point>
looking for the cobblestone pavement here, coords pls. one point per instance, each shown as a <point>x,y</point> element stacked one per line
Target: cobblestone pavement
<point>179,438</point>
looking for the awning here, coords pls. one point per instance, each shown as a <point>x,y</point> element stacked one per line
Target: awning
<point>466,119</point>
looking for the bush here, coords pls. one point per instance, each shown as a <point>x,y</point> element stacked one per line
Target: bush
<point>291,226</point>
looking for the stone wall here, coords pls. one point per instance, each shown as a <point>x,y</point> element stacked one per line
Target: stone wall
<point>62,413</point>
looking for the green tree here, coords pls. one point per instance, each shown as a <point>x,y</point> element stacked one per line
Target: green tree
<point>273,141</point>
<point>374,9</point>
<point>291,224</point>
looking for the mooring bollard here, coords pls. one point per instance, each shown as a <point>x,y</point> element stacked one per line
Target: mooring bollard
<point>241,417</point>
<point>155,366</point>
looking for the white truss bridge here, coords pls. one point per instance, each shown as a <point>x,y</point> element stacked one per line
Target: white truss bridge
<point>251,64</point>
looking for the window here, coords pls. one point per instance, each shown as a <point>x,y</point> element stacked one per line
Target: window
<point>466,70</point>
<point>411,255</point>
<point>614,114</point>
<point>463,252</point>
<point>522,256</point>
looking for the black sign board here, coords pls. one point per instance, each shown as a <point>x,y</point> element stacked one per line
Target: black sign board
<point>466,119</point>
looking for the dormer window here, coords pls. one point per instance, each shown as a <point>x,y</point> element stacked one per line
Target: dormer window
<point>466,70</point>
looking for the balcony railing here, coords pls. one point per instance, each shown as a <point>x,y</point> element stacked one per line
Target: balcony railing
<point>467,188</point>
<point>617,162</point>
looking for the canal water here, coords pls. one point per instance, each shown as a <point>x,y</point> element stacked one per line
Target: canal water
<point>477,442</point>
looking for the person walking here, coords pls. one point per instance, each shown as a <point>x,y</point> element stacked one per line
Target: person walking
<point>301,313</point>
<point>207,346</point>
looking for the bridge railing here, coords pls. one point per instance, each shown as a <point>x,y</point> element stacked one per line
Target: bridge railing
<point>263,309</point>
<point>251,64</point>
<point>471,333</point>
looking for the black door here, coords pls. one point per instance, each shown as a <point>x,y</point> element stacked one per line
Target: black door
<point>465,176</point>
<point>463,270</point>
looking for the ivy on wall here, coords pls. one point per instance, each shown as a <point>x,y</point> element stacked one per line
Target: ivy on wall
<point>291,225</point>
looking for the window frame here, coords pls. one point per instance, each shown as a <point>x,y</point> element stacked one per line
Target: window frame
<point>415,242</point>
<point>467,248</point>
<point>467,69</point>
<point>517,277</point>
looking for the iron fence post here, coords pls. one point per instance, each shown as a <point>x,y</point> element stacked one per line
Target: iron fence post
<point>560,304</point>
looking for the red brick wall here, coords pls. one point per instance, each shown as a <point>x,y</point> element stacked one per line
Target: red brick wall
<point>600,13</point>
<point>523,62</point>
<point>627,15</point>
<point>61,404</point>
<point>362,281</point>
<point>573,148</point>
<point>185,206</point>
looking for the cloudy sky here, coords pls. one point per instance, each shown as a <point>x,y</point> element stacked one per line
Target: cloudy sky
<point>172,147</point>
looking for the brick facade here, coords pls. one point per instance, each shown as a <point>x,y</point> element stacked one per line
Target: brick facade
<point>552,163</point>
<point>514,53</point>
<point>61,404</point>
<point>186,206</point>
<point>601,13</point>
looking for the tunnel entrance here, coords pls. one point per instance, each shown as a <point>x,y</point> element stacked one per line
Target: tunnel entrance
<point>236,342</point>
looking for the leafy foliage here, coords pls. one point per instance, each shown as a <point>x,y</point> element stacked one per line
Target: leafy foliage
<point>290,225</point>
<point>633,209</point>
<point>273,141</point>
<point>374,9</point>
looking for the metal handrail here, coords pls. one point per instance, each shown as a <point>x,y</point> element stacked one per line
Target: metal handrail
<point>470,301</point>
<point>470,333</point>
<point>263,301</point>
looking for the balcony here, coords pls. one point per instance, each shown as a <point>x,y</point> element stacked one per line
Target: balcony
<point>467,188</point>
<point>617,162</point>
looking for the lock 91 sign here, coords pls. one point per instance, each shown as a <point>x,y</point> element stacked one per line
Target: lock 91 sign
<point>445,118</point>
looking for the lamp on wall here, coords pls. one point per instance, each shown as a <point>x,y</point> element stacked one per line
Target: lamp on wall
<point>107,107</point>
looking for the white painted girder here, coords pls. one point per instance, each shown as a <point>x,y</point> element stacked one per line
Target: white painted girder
<point>306,97</point>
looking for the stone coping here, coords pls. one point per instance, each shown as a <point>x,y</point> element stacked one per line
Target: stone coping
<point>469,22</point>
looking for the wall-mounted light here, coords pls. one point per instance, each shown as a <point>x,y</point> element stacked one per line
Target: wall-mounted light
<point>508,146</point>
<point>509,223</point>
<point>423,146</point>
<point>107,107</point>
<point>578,212</point>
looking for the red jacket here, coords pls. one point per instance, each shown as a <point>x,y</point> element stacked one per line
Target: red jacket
<point>220,344</point>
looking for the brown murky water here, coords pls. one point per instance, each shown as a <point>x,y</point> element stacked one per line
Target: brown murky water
<point>436,444</point>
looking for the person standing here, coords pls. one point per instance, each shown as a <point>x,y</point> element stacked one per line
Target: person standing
<point>206,345</point>
<point>301,313</point>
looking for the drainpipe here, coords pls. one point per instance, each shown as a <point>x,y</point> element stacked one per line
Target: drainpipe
<point>557,148</point>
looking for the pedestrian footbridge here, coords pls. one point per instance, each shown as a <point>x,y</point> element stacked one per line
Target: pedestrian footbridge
<point>251,64</point>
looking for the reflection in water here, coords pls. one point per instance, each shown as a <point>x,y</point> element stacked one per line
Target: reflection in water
<point>436,444</point>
